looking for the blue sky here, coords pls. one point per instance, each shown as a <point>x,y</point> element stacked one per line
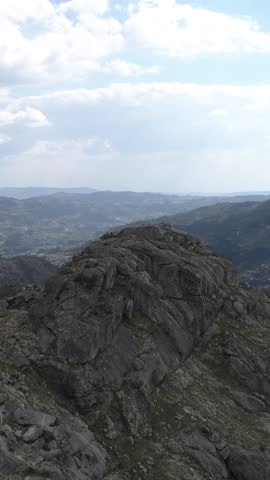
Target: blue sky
<point>157,95</point>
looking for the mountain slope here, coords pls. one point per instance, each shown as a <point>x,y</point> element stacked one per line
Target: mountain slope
<point>25,270</point>
<point>57,223</point>
<point>240,231</point>
<point>150,360</point>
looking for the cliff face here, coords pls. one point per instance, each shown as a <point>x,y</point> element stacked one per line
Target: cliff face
<point>147,349</point>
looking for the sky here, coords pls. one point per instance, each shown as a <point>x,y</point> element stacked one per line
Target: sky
<point>146,95</point>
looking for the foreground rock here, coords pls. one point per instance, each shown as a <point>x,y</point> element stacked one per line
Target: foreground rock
<point>142,357</point>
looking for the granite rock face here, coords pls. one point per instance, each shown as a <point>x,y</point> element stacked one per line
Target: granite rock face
<point>126,313</point>
<point>40,437</point>
<point>143,357</point>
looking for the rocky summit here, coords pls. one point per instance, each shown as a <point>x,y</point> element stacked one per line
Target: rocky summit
<point>143,357</point>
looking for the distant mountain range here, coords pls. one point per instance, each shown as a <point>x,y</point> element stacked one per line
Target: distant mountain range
<point>22,193</point>
<point>58,225</point>
<point>55,224</point>
<point>28,192</point>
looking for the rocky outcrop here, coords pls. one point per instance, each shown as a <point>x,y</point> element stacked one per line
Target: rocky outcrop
<point>126,313</point>
<point>40,436</point>
<point>35,444</point>
<point>143,357</point>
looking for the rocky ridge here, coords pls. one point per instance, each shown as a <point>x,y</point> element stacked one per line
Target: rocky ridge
<point>144,356</point>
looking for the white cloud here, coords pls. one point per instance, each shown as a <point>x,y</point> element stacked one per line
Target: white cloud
<point>179,135</point>
<point>29,117</point>
<point>127,69</point>
<point>183,137</point>
<point>56,163</point>
<point>217,97</point>
<point>4,95</point>
<point>57,149</point>
<point>85,7</point>
<point>20,11</point>
<point>55,46</point>
<point>218,113</point>
<point>4,139</point>
<point>47,42</point>
<point>180,30</point>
